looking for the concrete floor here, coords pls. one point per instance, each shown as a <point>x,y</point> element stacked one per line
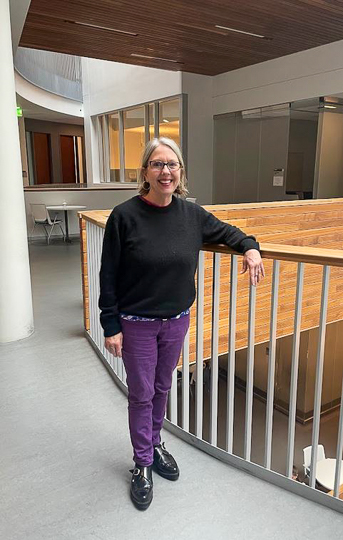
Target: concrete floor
<point>65,451</point>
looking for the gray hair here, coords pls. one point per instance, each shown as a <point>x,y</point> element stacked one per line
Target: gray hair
<point>150,147</point>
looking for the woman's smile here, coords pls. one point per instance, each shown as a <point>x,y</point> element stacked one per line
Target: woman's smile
<point>165,182</point>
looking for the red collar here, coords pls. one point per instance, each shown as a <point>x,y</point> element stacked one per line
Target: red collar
<point>152,204</point>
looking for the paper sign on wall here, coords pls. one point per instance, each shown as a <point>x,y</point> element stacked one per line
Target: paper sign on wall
<point>278,177</point>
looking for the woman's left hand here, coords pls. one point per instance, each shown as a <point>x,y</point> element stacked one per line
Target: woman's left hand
<point>252,261</point>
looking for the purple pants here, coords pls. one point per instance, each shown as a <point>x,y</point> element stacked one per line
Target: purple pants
<point>151,350</point>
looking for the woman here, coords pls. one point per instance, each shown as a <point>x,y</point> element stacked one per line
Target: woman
<point>147,287</point>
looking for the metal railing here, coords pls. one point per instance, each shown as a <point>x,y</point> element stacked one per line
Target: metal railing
<point>179,399</point>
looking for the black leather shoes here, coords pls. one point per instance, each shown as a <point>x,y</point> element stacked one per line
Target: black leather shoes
<point>164,463</point>
<point>141,487</point>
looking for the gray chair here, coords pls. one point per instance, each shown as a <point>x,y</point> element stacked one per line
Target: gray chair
<point>41,216</point>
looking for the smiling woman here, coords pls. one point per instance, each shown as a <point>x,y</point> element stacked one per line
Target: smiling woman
<point>149,259</point>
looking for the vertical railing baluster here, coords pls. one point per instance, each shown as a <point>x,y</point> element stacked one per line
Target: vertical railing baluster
<point>99,250</point>
<point>294,370</point>
<point>94,285</point>
<point>250,373</point>
<point>319,374</point>
<point>185,383</point>
<point>271,365</point>
<point>231,354</point>
<point>91,281</point>
<point>173,398</point>
<point>89,276</point>
<point>214,349</point>
<point>339,450</point>
<point>199,347</point>
<point>97,287</point>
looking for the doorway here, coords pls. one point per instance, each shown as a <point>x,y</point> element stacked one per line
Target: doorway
<point>41,163</point>
<point>71,159</point>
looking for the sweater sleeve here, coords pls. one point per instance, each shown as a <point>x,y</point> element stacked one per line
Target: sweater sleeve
<point>109,315</point>
<point>216,231</point>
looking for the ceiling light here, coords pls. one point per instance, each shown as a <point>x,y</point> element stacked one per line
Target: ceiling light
<point>202,28</point>
<point>155,58</point>
<point>241,31</point>
<point>115,30</point>
<point>329,107</point>
<point>165,120</point>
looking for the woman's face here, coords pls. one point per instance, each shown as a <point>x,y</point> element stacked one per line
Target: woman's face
<point>162,182</point>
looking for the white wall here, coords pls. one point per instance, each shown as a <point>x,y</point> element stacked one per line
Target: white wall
<point>111,85</point>
<point>46,99</point>
<point>311,73</point>
<point>18,11</point>
<point>92,199</point>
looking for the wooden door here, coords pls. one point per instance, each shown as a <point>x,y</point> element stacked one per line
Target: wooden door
<point>42,158</point>
<point>68,159</point>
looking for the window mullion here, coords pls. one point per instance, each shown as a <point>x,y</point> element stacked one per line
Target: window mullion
<point>121,146</point>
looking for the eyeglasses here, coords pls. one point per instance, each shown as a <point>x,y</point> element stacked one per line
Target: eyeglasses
<point>159,165</point>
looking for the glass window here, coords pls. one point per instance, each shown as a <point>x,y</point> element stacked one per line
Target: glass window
<point>119,164</point>
<point>134,142</point>
<point>113,126</point>
<point>169,121</point>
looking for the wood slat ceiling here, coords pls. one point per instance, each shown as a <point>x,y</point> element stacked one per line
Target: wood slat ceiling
<point>182,33</point>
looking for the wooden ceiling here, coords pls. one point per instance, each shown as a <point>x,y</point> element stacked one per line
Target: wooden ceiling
<point>182,34</point>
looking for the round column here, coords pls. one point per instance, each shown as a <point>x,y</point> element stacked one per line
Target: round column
<point>16,317</point>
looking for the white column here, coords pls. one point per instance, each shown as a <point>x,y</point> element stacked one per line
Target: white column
<point>16,317</point>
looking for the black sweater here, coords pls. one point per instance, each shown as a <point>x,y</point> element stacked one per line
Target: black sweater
<point>150,255</point>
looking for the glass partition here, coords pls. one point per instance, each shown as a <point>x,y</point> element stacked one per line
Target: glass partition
<point>114,147</point>
<point>134,141</point>
<point>169,119</point>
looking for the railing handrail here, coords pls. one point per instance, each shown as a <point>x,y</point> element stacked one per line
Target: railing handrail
<point>282,252</point>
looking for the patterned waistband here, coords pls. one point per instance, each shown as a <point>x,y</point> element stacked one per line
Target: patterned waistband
<point>137,318</point>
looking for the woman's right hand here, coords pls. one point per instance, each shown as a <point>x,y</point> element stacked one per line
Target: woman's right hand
<point>114,344</point>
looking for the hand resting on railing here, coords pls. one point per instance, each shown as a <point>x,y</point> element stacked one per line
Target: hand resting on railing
<point>252,261</point>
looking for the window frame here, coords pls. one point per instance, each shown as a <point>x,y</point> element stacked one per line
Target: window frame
<point>102,128</point>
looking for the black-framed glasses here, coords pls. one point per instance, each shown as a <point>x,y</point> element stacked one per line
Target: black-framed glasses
<point>157,165</point>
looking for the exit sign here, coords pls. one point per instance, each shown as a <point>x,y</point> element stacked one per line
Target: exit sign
<point>19,111</point>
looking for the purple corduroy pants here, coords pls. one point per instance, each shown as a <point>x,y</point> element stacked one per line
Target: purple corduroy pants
<point>151,350</point>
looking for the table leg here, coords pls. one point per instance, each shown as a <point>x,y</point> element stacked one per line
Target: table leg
<point>67,239</point>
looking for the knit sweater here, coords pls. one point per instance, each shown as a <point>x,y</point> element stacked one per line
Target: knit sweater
<point>150,255</point>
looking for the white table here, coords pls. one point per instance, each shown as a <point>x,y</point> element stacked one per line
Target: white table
<point>66,208</point>
<point>325,473</point>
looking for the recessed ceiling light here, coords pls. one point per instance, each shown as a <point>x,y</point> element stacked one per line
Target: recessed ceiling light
<point>202,28</point>
<point>241,32</point>
<point>115,30</point>
<point>155,58</point>
<point>329,107</point>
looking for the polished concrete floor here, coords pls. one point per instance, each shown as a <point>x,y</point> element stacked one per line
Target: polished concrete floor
<point>65,453</point>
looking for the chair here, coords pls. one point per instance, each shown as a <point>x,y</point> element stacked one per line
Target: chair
<point>307,457</point>
<point>41,216</point>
